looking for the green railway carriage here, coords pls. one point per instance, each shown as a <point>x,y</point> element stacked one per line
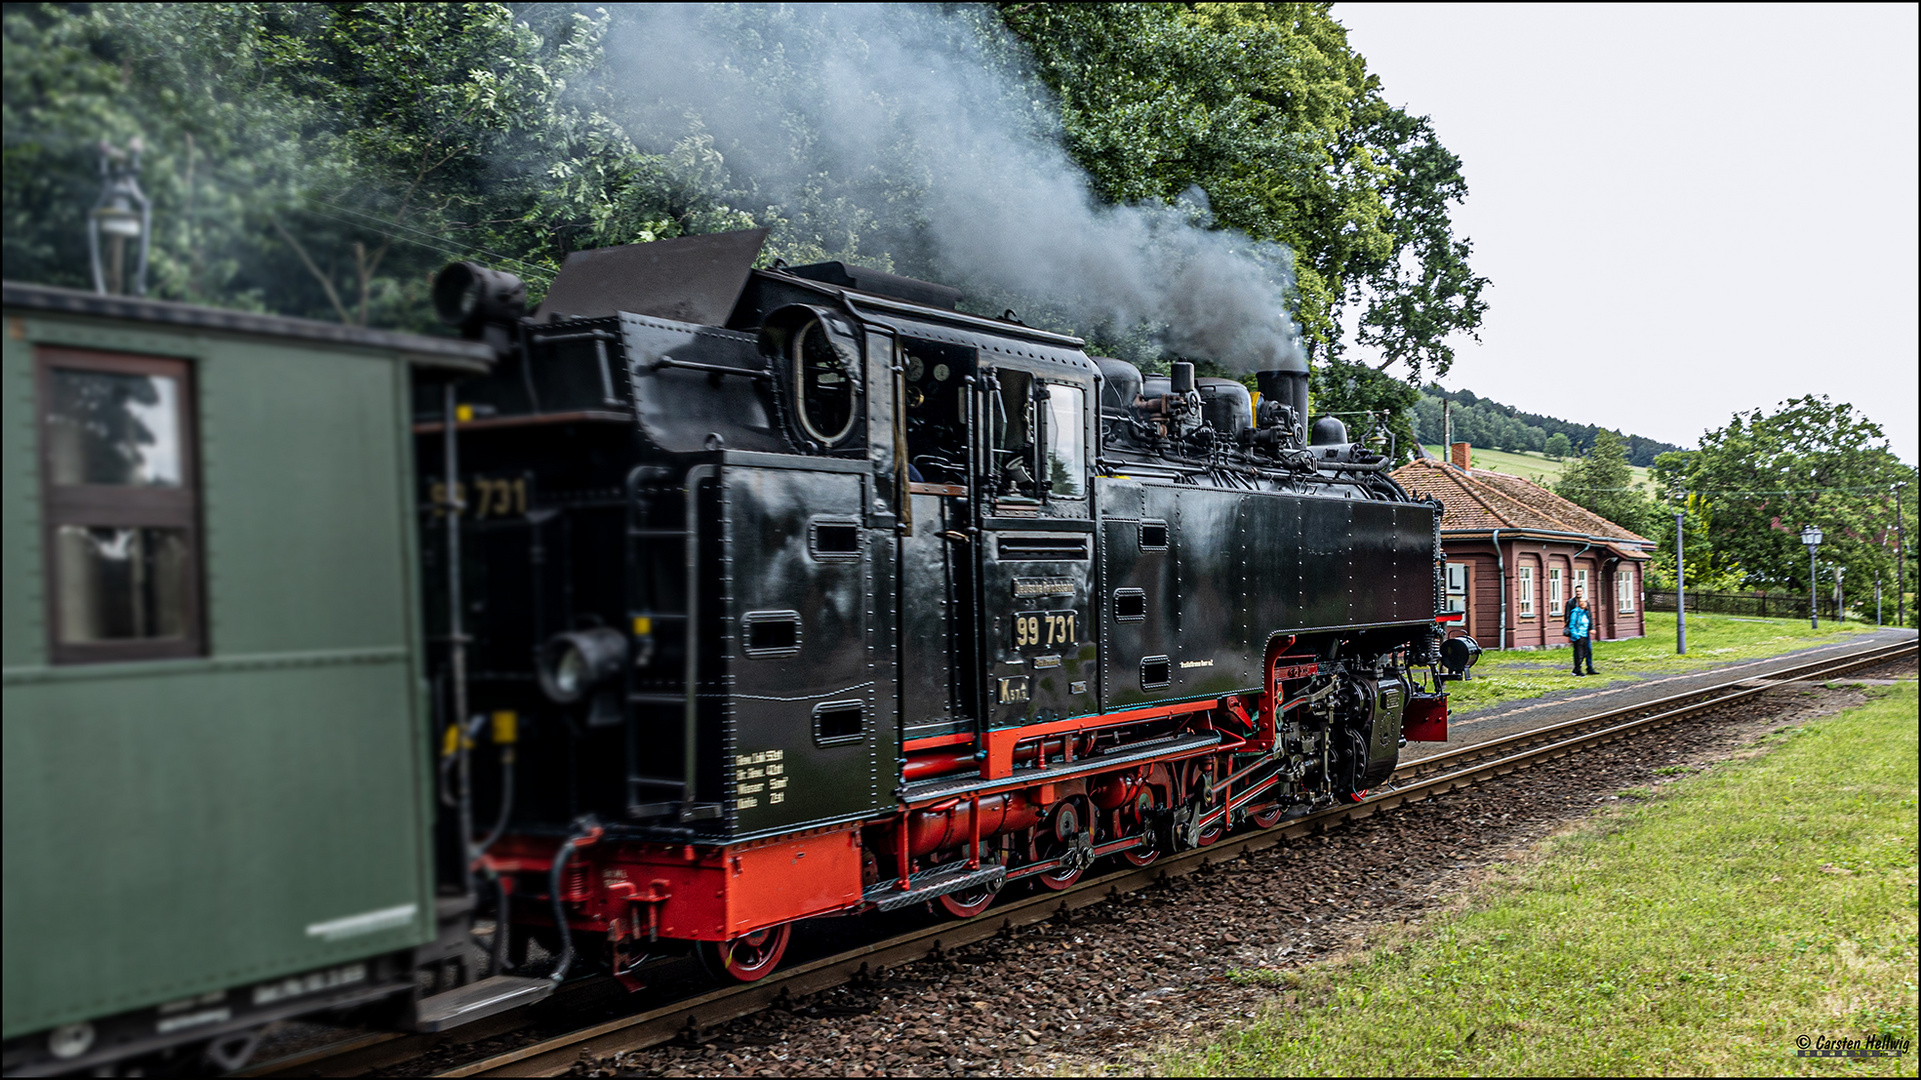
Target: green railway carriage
<point>218,803</point>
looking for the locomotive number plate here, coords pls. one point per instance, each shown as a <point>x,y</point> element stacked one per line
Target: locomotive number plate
<point>486,496</point>
<point>1046,629</point>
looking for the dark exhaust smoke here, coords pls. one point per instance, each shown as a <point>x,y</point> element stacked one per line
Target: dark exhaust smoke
<point>921,133</point>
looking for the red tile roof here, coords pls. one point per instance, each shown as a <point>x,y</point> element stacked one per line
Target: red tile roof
<point>1476,499</point>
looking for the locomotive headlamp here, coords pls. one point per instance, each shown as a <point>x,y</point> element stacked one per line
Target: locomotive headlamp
<point>1460,653</point>
<point>468,296</point>
<point>571,665</point>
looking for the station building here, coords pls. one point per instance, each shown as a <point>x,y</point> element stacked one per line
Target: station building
<point>1517,554</point>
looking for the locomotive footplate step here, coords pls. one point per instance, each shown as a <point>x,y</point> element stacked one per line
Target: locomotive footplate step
<point>944,787</point>
<point>938,881</point>
<point>479,999</point>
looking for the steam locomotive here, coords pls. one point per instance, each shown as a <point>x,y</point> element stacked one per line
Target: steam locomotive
<point>798,592</point>
<point>703,601</point>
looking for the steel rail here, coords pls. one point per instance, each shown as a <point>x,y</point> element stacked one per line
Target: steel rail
<point>1417,781</point>
<point>1719,691</point>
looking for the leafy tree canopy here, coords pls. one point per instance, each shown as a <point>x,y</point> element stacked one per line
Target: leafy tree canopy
<point>1757,481</point>
<point>321,160</point>
<point>1266,110</point>
<point>1602,482</point>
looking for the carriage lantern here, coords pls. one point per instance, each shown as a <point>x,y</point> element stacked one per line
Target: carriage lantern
<point>122,214</point>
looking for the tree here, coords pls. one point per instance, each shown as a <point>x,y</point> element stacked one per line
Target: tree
<point>1603,483</point>
<point>1762,477</point>
<point>321,160</point>
<point>1267,110</point>
<point>1558,445</point>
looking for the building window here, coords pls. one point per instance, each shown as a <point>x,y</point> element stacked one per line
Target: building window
<point>1527,592</point>
<point>1624,590</point>
<point>1554,590</point>
<point>1456,586</point>
<point>122,506</point>
<point>1580,587</point>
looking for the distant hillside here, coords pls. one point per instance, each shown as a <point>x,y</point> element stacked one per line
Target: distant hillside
<point>1539,468</point>
<point>1488,423</point>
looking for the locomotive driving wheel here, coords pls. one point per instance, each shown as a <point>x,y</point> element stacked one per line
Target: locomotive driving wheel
<point>1200,797</point>
<point>1265,817</point>
<point>746,958</point>
<point>966,904</point>
<point>1063,836</point>
<point>1135,818</point>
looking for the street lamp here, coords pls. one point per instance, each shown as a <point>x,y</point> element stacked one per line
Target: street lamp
<point>1811,536</point>
<point>1679,493</point>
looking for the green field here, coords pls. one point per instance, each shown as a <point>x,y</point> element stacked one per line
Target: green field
<point>1539,468</point>
<point>1705,928</point>
<point>1712,640</point>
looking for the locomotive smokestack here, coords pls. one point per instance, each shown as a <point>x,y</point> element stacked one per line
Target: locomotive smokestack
<point>1287,384</point>
<point>1183,377</point>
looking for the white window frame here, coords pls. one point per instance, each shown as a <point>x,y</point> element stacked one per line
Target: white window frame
<point>1580,585</point>
<point>1457,570</point>
<point>1624,591</point>
<point>1556,585</point>
<point>1527,592</point>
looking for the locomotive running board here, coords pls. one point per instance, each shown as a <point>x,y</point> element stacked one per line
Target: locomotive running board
<point>928,884</point>
<point>1181,746</point>
<point>476,1000</point>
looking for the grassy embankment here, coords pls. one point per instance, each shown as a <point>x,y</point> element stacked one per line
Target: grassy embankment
<point>1713,640</point>
<point>1703,930</point>
<point>1537,467</point>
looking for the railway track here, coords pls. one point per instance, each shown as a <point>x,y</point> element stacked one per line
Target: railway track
<point>1416,781</point>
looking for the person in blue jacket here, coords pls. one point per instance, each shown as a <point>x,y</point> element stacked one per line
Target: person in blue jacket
<point>1579,623</point>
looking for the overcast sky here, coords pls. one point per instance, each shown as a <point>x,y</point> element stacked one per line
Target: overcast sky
<point>1684,210</point>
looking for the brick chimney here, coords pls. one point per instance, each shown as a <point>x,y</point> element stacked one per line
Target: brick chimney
<point>1461,455</point>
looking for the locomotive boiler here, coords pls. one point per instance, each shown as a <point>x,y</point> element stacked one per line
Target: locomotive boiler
<point>798,592</point>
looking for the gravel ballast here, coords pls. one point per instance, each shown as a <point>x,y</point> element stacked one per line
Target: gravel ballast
<point>1197,954</point>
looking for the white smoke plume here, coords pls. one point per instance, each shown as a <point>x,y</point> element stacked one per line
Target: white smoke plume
<point>921,131</point>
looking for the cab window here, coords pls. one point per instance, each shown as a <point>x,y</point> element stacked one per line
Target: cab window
<point>1012,428</point>
<point>1066,441</point>
<point>824,372</point>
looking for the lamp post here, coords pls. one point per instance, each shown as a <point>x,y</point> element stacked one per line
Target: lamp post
<point>1840,607</point>
<point>1811,536</point>
<point>1900,562</point>
<point>1680,496</point>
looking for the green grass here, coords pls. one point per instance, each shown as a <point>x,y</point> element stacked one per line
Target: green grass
<point>1712,640</point>
<point>1699,931</point>
<point>1537,467</point>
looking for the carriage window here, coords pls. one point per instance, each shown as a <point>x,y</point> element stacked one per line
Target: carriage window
<point>824,372</point>
<point>122,509</point>
<point>1066,441</point>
